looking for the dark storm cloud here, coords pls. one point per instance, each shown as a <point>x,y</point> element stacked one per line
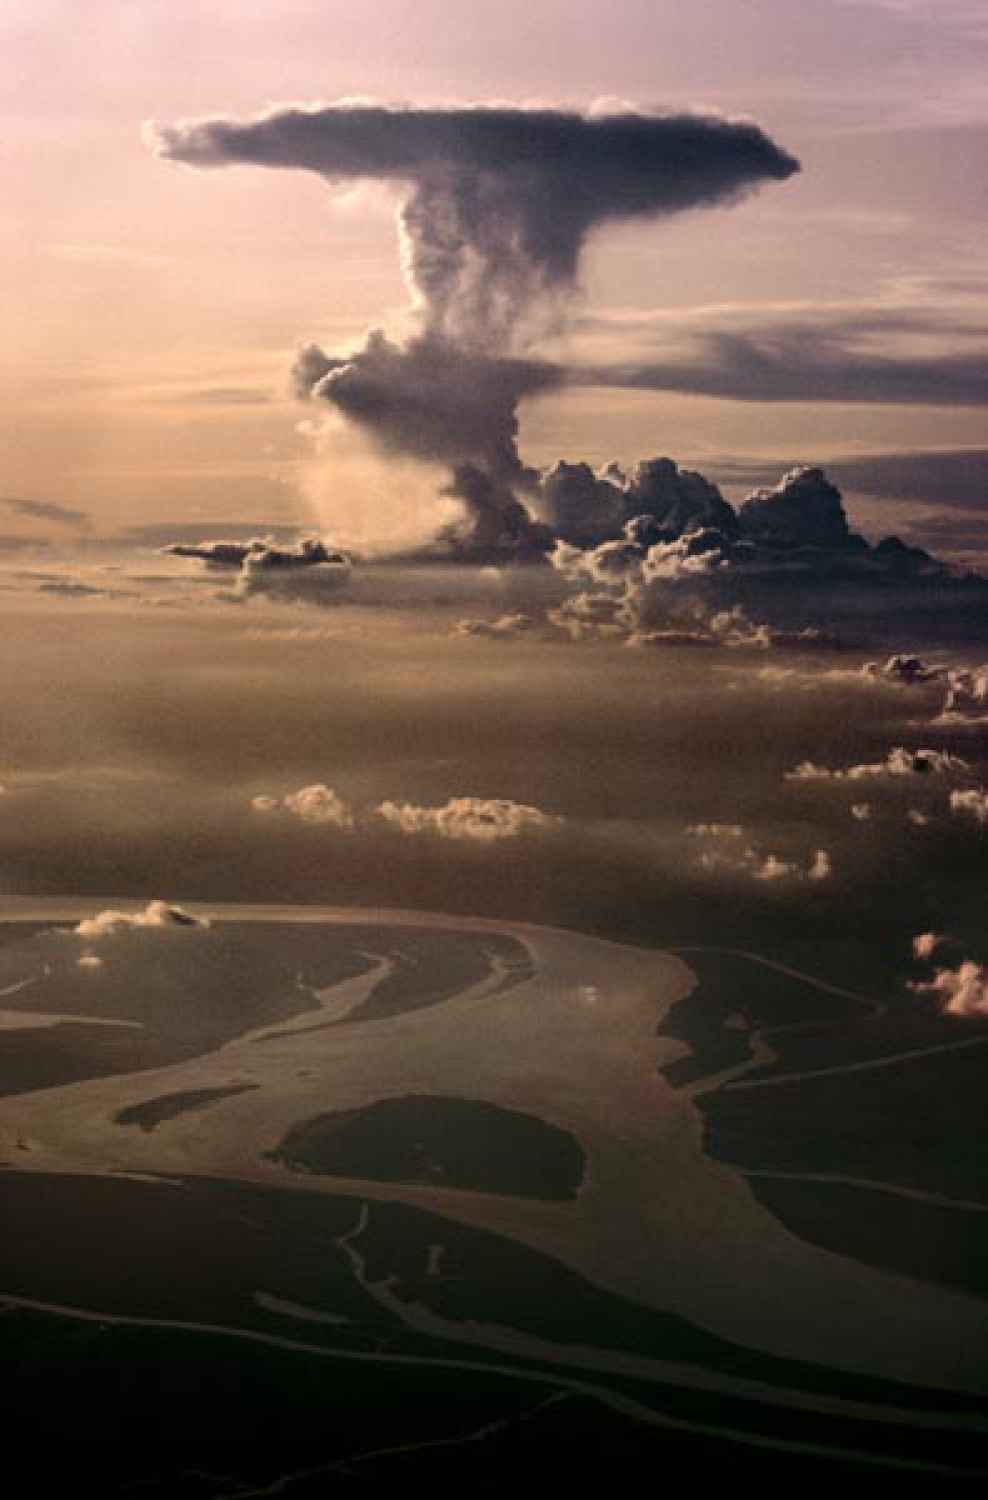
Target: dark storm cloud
<point>45,510</point>
<point>429,399</point>
<point>500,202</point>
<point>803,510</point>
<point>220,554</point>
<point>502,198</point>
<point>655,501</point>
<point>306,570</point>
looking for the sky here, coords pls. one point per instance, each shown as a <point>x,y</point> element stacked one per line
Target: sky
<point>152,311</point>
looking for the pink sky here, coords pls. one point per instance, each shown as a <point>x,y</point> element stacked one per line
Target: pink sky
<point>151,311</point>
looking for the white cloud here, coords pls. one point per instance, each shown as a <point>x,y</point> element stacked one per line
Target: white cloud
<point>972,803</point>
<point>505,628</point>
<point>716,830</point>
<point>156,914</point>
<point>484,820</point>
<point>312,804</point>
<point>898,762</point>
<point>964,990</point>
<point>925,944</point>
<point>752,862</point>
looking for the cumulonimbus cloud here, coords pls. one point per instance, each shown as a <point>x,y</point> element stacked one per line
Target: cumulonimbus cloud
<point>502,199</point>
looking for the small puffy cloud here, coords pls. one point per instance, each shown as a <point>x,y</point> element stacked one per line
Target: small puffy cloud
<point>962,991</point>
<point>505,628</point>
<point>157,914</point>
<point>307,571</point>
<point>773,868</point>
<point>972,803</point>
<point>726,857</point>
<point>898,762</point>
<point>925,944</point>
<point>690,555</point>
<point>639,638</point>
<point>904,668</point>
<point>967,694</point>
<point>589,616</point>
<point>312,804</point>
<point>484,820</point>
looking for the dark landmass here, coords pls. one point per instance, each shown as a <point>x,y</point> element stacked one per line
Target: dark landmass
<point>915,1237</point>
<point>203,1411</point>
<point>917,1123</point>
<point>882,1095</point>
<point>151,1112</point>
<point>445,1142</point>
<point>45,1057</point>
<point>160,1414</point>
<point>435,966</point>
<point>198,1250</point>
<point>736,996</point>
<point>189,991</point>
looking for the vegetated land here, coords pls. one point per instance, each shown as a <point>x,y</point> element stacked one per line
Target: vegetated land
<point>184,994</point>
<point>462,1143</point>
<point>889,1098</point>
<point>151,1112</point>
<point>433,966</point>
<point>349,1380</point>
